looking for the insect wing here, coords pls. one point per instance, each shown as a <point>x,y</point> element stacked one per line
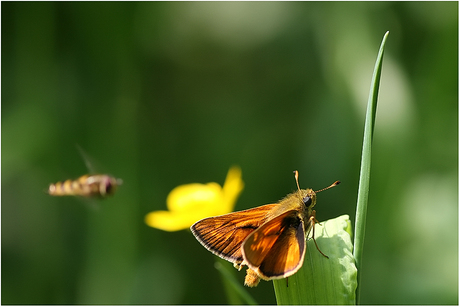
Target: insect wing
<point>223,235</point>
<point>277,248</point>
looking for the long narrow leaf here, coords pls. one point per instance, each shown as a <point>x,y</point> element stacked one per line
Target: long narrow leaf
<point>364,178</point>
<point>235,290</point>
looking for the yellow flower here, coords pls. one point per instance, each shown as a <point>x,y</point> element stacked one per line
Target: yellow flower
<point>190,203</point>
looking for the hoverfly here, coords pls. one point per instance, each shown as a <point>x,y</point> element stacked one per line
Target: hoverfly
<point>96,185</point>
<point>90,186</point>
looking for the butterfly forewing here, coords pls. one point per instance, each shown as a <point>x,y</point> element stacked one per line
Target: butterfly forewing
<point>277,248</point>
<point>224,234</point>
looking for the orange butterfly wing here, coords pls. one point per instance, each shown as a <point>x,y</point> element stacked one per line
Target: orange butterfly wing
<point>223,235</point>
<point>277,248</point>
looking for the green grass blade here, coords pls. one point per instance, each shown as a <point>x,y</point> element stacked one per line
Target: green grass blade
<point>322,281</point>
<point>235,290</point>
<point>364,178</point>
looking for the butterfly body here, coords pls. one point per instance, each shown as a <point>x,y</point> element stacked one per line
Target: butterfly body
<point>269,239</point>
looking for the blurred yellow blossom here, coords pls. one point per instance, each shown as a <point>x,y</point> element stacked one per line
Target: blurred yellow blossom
<point>190,203</point>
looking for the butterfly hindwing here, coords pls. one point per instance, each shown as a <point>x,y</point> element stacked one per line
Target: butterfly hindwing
<point>277,248</point>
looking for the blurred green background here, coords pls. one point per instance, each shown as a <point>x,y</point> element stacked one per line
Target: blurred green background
<point>163,94</point>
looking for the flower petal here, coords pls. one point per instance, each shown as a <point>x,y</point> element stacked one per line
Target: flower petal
<point>172,221</point>
<point>190,203</point>
<point>194,196</point>
<point>232,188</point>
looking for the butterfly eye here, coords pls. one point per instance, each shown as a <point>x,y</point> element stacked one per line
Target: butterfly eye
<point>307,201</point>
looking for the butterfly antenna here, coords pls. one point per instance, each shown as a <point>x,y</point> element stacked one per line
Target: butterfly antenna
<point>296,175</point>
<point>331,186</point>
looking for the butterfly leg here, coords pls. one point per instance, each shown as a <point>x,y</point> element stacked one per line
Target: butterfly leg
<point>313,221</point>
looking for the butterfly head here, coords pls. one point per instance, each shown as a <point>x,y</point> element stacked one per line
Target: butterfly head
<point>308,198</point>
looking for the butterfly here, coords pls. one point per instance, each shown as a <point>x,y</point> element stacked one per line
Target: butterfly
<point>270,239</point>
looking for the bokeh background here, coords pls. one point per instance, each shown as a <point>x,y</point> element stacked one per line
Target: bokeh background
<point>163,94</point>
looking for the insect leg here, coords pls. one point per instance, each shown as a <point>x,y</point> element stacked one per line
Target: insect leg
<point>313,221</point>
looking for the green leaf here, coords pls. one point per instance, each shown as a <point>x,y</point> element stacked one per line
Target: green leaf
<point>234,289</point>
<point>365,173</point>
<point>322,281</point>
